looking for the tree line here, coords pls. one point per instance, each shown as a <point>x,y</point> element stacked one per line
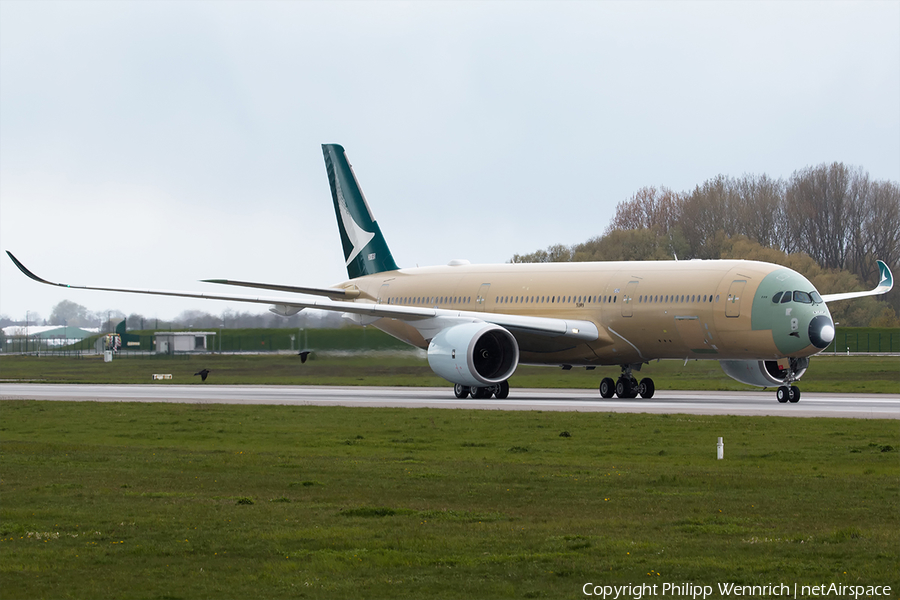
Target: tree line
<point>828,222</point>
<point>72,314</point>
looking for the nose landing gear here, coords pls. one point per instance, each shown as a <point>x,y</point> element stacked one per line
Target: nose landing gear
<point>789,392</point>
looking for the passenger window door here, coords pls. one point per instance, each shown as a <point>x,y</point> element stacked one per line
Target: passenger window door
<point>733,301</point>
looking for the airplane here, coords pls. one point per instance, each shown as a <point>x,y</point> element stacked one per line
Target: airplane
<point>477,323</point>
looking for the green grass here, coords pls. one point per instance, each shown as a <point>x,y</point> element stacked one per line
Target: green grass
<point>827,373</point>
<point>104,500</point>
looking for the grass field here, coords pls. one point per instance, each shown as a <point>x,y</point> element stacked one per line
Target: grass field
<point>104,500</point>
<point>827,373</point>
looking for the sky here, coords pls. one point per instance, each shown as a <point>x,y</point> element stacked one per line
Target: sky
<point>154,144</point>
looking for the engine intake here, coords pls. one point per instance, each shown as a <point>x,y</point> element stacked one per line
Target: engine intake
<point>474,354</point>
<point>762,373</point>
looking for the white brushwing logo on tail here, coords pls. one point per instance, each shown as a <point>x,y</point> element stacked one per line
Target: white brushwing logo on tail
<point>358,236</point>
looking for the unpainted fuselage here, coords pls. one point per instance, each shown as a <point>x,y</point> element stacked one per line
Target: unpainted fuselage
<point>716,309</point>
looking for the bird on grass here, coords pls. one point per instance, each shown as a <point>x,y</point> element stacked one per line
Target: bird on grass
<point>203,373</point>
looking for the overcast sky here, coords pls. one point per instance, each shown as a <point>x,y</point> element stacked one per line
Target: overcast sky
<point>153,144</point>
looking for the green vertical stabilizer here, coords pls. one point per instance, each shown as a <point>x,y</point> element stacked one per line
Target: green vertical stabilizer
<point>365,250</point>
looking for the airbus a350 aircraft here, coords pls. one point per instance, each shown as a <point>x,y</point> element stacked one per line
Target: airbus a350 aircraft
<point>761,321</point>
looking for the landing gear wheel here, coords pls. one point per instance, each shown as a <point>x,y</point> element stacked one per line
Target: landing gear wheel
<point>607,387</point>
<point>461,391</point>
<point>646,388</point>
<point>634,388</point>
<point>783,394</point>
<point>501,390</point>
<point>626,388</point>
<point>481,393</point>
<point>795,394</point>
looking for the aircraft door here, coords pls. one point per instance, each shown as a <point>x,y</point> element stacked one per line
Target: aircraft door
<point>733,301</point>
<point>382,293</point>
<point>481,298</point>
<point>628,299</point>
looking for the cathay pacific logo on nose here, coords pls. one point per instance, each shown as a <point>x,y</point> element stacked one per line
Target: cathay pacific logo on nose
<point>358,236</point>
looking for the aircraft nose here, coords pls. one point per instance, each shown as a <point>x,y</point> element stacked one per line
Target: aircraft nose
<point>821,331</point>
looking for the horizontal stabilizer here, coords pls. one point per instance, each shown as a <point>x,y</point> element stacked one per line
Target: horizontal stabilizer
<point>885,283</point>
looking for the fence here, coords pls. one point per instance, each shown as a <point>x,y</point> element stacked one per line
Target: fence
<point>226,341</point>
<point>230,341</point>
<point>864,341</point>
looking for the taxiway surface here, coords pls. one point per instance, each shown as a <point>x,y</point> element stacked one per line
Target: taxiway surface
<point>862,406</point>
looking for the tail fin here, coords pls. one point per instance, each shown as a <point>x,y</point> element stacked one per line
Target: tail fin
<point>365,250</point>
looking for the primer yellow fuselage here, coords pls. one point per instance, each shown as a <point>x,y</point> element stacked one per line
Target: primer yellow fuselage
<point>643,310</point>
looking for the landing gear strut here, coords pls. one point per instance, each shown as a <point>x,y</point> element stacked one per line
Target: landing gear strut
<point>627,386</point>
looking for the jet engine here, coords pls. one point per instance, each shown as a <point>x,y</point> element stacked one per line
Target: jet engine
<point>474,354</point>
<point>763,373</point>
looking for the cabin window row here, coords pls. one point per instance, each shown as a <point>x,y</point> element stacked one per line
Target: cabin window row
<point>431,300</point>
<point>555,299</point>
<point>445,300</point>
<point>673,298</point>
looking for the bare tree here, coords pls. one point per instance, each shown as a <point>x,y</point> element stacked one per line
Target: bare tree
<point>876,230</point>
<point>648,208</point>
<point>554,253</point>
<point>707,211</point>
<point>820,203</point>
<point>760,209</point>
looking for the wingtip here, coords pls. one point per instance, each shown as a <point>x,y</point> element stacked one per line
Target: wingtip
<point>24,269</point>
<point>886,276</point>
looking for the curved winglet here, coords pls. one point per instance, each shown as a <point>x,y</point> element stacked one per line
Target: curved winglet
<point>31,275</point>
<point>885,283</point>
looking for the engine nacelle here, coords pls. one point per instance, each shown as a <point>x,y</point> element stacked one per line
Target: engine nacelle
<point>474,354</point>
<point>762,373</point>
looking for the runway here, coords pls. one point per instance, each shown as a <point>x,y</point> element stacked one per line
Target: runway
<point>860,406</point>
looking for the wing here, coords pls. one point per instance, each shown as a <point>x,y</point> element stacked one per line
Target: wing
<point>424,319</point>
<point>330,292</point>
<point>885,284</point>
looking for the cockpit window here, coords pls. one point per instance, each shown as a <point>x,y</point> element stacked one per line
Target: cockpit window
<point>816,298</point>
<point>776,297</point>
<point>786,297</point>
<point>802,297</point>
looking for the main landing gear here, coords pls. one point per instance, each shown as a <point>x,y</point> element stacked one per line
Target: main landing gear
<point>499,391</point>
<point>788,394</point>
<point>627,386</point>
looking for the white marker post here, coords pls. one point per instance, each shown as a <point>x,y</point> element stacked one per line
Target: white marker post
<point>720,450</point>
